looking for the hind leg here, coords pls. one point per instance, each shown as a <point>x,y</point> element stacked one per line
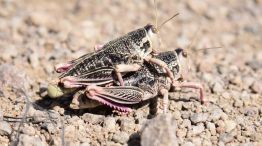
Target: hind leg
<point>193,85</point>
<point>125,68</point>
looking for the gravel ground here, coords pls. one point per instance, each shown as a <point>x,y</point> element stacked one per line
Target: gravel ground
<point>36,35</point>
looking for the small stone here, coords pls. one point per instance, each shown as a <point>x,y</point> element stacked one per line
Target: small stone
<point>9,52</point>
<point>198,129</point>
<point>127,124</point>
<point>185,114</point>
<point>70,131</point>
<point>34,59</point>
<point>120,137</point>
<point>26,140</point>
<point>93,118</point>
<point>13,77</point>
<point>251,111</point>
<point>72,143</point>
<point>220,126</point>
<point>215,114</point>
<point>28,130</point>
<point>197,141</point>
<point>248,81</point>
<point>5,128</point>
<point>238,103</point>
<point>160,131</point>
<point>226,137</point>
<point>256,87</point>
<point>199,117</point>
<point>211,127</point>
<point>186,123</point>
<point>217,88</point>
<point>188,144</point>
<point>207,143</point>
<point>236,80</point>
<point>50,127</point>
<point>109,124</point>
<point>230,125</point>
<point>177,114</point>
<point>255,64</point>
<point>181,133</point>
<point>85,144</point>
<point>59,109</point>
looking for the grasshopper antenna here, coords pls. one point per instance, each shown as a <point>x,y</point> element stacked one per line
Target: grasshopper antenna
<point>209,48</point>
<point>163,23</point>
<point>156,15</point>
<point>188,49</point>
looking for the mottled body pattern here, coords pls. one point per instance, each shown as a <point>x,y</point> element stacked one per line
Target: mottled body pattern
<point>128,49</point>
<point>144,84</point>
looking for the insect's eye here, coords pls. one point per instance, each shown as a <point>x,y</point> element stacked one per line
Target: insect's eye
<point>184,53</point>
<point>154,30</point>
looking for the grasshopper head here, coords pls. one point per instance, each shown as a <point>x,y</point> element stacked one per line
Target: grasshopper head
<point>152,34</point>
<point>182,61</point>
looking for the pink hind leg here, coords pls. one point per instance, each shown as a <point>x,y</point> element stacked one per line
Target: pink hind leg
<point>193,85</point>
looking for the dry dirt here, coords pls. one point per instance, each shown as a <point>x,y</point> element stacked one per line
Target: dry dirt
<point>37,34</point>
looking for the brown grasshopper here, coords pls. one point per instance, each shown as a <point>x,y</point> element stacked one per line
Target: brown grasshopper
<point>124,54</point>
<point>146,83</point>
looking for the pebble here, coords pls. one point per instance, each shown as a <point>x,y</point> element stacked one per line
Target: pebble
<point>177,114</point>
<point>211,127</point>
<point>70,131</point>
<point>207,143</point>
<point>198,129</point>
<point>181,132</point>
<point>220,126</point>
<point>13,77</point>
<point>217,88</point>
<point>28,130</point>
<point>185,114</point>
<point>120,137</point>
<point>9,52</point>
<point>188,144</point>
<point>93,118</point>
<point>238,103</point>
<point>109,124</point>
<point>85,144</point>
<point>197,141</point>
<point>199,117</point>
<point>215,114</point>
<point>186,123</point>
<point>127,124</point>
<point>34,60</point>
<point>226,137</point>
<point>160,131</point>
<point>5,128</point>
<point>230,125</point>
<point>256,87</point>
<point>26,140</point>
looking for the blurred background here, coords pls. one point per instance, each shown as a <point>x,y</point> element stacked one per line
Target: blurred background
<point>37,34</point>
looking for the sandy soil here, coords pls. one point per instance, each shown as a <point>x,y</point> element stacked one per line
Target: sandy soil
<point>36,35</point>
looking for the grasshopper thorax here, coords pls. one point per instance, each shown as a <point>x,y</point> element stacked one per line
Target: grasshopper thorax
<point>152,36</point>
<point>182,61</point>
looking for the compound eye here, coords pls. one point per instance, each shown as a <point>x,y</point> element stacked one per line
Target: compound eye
<point>154,30</point>
<point>184,53</point>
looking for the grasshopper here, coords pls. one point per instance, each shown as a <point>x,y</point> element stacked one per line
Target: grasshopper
<point>146,83</point>
<point>124,54</point>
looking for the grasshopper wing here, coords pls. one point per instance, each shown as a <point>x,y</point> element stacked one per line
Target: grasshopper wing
<point>115,95</point>
<point>100,76</point>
